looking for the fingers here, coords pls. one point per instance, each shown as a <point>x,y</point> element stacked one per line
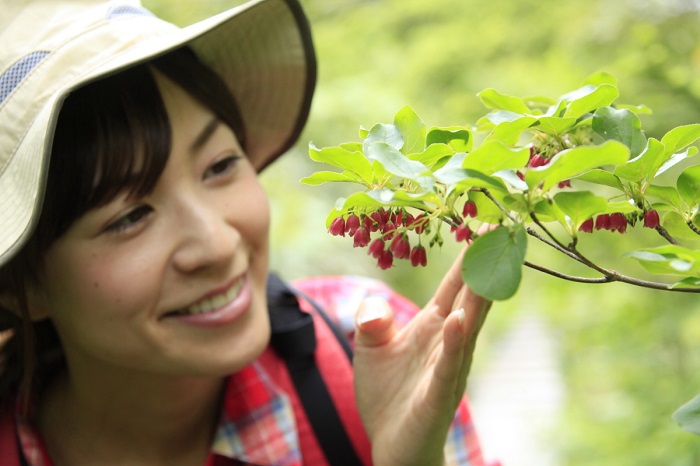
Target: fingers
<point>445,385</point>
<point>374,322</point>
<point>452,293</point>
<point>450,287</point>
<point>452,366</point>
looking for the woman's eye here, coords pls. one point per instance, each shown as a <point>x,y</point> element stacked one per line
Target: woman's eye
<point>223,166</point>
<point>130,220</point>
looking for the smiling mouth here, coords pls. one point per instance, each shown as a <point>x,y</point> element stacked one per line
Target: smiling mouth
<point>214,302</point>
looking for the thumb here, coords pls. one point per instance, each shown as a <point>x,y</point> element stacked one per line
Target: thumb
<point>374,322</point>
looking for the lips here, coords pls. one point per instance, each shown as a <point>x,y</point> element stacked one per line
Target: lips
<point>214,301</point>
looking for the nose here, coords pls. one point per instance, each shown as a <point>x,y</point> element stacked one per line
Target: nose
<point>206,239</point>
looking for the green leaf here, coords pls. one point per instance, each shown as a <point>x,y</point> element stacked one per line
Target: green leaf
<point>432,154</point>
<point>579,206</point>
<point>555,126</point>
<point>689,185</point>
<point>492,266</point>
<point>354,146</point>
<point>403,198</point>
<point>548,211</point>
<point>688,282</point>
<point>382,133</point>
<point>509,132</point>
<point>458,138</point>
<point>327,177</point>
<point>670,259</point>
<point>620,125</point>
<point>493,119</point>
<point>645,165</point>
<point>676,158</point>
<point>624,207</point>
<point>494,99</point>
<point>354,162</point>
<point>453,173</point>
<point>680,137</point>
<point>488,211</point>
<point>533,101</point>
<point>589,98</point>
<point>381,198</point>
<point>493,156</point>
<point>676,225</point>
<point>517,202</point>
<point>638,109</point>
<point>601,177</point>
<point>601,77</point>
<point>475,179</point>
<point>570,163</point>
<point>511,177</point>
<point>413,130</point>
<point>394,161</point>
<point>666,194</point>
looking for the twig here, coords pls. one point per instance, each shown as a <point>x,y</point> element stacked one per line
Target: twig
<point>612,276</point>
<point>692,226</point>
<point>488,194</point>
<point>543,228</point>
<point>571,278</point>
<point>667,236</point>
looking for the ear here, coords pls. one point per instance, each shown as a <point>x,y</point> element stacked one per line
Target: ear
<point>35,305</point>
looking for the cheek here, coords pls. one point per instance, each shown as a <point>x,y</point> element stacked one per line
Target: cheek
<point>253,216</point>
<point>79,281</point>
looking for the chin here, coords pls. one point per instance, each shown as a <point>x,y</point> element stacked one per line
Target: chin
<point>246,349</point>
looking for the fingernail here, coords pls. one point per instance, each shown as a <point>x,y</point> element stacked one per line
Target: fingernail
<point>373,308</point>
<point>460,316</point>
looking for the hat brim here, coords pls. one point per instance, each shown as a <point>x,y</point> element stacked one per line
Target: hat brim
<point>264,52</point>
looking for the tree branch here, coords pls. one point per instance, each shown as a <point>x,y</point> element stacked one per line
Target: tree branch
<point>692,226</point>
<point>611,276</point>
<point>667,236</point>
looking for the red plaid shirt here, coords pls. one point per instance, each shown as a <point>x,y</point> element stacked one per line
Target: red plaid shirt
<point>262,421</point>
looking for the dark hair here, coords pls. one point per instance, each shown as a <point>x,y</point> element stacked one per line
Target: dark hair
<point>111,135</point>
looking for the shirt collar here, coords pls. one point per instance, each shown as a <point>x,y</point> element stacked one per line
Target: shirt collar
<point>257,424</point>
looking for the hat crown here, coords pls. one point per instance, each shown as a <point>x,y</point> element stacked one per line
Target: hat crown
<point>262,50</point>
<point>74,40</point>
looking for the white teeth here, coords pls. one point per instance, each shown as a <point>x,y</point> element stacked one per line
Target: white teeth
<point>215,302</point>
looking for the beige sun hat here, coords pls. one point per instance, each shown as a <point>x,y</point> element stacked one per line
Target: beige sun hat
<point>262,49</point>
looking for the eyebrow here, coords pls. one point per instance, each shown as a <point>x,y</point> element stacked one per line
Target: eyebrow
<point>205,134</point>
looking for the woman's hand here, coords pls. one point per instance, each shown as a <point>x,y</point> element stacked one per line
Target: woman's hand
<point>409,382</point>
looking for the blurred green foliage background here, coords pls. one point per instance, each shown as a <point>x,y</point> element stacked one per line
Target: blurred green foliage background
<point>630,357</point>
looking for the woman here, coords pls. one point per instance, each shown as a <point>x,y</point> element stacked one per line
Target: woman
<point>134,256</point>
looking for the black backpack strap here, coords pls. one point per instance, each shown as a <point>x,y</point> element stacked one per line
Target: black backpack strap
<point>339,335</point>
<point>294,339</point>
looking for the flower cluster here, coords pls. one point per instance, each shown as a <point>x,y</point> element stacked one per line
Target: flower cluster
<point>391,227</point>
<point>618,222</point>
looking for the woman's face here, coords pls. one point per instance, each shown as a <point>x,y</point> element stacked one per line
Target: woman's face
<point>174,282</point>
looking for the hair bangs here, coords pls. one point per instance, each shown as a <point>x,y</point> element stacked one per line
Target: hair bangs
<point>113,138</point>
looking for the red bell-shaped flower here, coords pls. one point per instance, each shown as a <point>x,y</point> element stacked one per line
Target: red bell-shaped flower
<point>618,222</point>
<point>418,256</point>
<point>587,226</point>
<point>463,233</point>
<point>651,218</point>
<point>352,224</point>
<point>602,222</point>
<point>362,238</point>
<point>337,227</point>
<point>376,248</point>
<point>401,247</point>
<point>469,209</point>
<point>386,260</point>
